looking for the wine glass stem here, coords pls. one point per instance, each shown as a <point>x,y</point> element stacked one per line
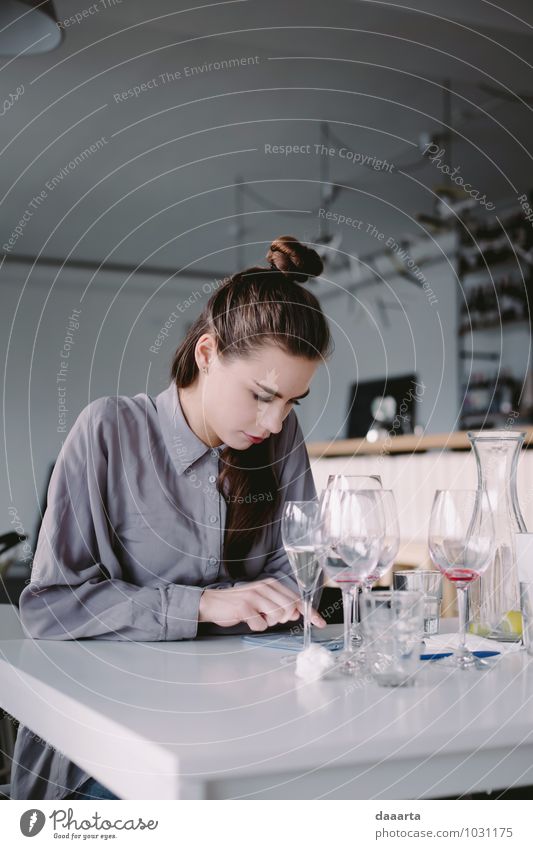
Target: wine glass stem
<point>355,595</point>
<point>461,604</point>
<point>347,609</point>
<point>307,619</point>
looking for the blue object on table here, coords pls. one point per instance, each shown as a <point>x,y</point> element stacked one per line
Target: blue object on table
<point>438,655</point>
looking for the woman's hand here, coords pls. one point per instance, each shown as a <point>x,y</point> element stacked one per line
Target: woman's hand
<point>261,604</point>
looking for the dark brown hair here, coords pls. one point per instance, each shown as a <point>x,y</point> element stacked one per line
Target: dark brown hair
<point>256,307</point>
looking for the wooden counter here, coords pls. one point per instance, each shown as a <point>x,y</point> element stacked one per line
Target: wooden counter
<point>408,444</point>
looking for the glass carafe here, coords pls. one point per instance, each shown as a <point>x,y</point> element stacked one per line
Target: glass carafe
<point>494,603</point>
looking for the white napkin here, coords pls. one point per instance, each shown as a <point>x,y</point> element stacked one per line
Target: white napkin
<point>314,662</point>
<point>449,642</point>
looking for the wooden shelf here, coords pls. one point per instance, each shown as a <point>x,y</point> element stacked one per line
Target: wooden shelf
<point>408,444</point>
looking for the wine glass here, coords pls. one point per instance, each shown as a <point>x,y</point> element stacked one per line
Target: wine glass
<point>299,533</point>
<point>354,482</point>
<point>352,528</point>
<point>461,543</point>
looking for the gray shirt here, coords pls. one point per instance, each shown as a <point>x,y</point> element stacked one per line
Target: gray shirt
<point>132,534</point>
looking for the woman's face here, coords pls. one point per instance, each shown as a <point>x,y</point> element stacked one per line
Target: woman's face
<point>250,397</point>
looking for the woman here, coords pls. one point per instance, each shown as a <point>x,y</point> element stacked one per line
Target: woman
<point>163,513</point>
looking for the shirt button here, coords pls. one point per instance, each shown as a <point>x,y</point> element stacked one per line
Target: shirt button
<point>214,452</point>
<point>212,478</point>
<point>188,471</point>
<point>213,519</point>
<point>213,561</point>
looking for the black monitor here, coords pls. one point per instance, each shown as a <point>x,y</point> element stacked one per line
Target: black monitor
<point>385,406</point>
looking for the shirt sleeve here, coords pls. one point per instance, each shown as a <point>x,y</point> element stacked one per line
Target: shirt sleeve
<point>77,588</point>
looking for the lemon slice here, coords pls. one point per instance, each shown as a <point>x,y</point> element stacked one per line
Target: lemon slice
<point>511,622</point>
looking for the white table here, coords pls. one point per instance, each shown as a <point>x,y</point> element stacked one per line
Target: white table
<point>218,718</point>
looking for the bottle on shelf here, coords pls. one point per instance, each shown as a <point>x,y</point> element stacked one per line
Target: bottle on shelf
<point>489,399</point>
<point>490,305</point>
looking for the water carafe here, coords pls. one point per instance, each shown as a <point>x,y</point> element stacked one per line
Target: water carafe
<point>494,601</point>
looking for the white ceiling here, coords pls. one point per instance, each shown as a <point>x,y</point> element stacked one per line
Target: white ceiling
<point>161,189</point>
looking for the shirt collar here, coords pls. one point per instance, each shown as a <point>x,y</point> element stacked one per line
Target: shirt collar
<point>181,442</point>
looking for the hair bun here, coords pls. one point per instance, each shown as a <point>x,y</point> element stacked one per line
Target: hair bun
<point>295,261</point>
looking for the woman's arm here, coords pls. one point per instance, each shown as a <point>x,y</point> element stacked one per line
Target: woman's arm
<point>77,588</point>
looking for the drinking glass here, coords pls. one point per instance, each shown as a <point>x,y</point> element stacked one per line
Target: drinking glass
<point>354,482</point>
<point>429,583</point>
<point>299,533</point>
<point>461,543</point>
<point>351,529</point>
<point>392,625</point>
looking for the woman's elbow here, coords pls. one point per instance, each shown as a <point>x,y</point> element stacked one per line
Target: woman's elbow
<point>38,620</point>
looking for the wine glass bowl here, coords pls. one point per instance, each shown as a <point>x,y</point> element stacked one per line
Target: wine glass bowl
<point>362,538</point>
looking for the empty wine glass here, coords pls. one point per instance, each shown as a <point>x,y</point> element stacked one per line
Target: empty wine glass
<point>461,543</point>
<point>299,533</point>
<point>352,528</point>
<point>344,482</point>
